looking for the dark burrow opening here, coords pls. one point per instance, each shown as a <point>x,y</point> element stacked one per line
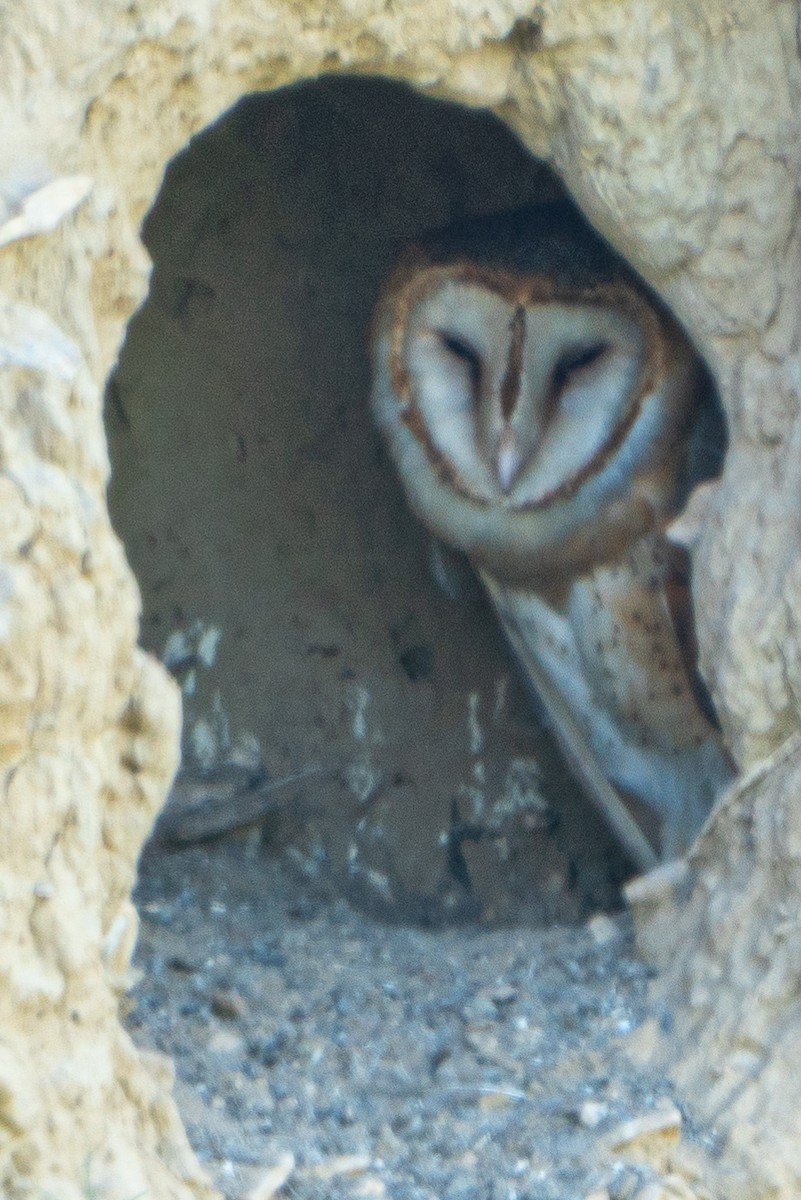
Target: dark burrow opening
<point>362,722</point>
<point>356,736</point>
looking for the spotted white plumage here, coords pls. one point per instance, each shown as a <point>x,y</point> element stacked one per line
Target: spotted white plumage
<point>547,417</point>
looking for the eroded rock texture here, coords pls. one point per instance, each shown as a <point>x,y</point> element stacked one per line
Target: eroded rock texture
<point>675,126</point>
<point>89,742</point>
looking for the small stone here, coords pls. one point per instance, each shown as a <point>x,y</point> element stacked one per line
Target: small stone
<point>182,964</point>
<point>158,913</point>
<point>603,929</point>
<point>371,1187</point>
<point>228,1005</point>
<point>648,1136</point>
<point>592,1113</point>
<point>225,1041</point>
<point>597,1194</point>
<point>479,1010</point>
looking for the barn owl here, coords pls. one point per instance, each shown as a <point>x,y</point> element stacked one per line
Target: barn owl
<point>548,418</point>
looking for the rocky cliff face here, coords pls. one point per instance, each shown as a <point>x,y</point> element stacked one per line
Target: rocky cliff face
<point>675,127</point>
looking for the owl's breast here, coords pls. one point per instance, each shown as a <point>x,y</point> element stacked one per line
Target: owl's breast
<point>631,652</point>
<point>610,647</point>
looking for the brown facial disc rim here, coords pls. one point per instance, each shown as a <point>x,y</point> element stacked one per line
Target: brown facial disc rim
<point>518,293</point>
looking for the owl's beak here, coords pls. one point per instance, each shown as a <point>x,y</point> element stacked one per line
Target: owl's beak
<point>508,462</point>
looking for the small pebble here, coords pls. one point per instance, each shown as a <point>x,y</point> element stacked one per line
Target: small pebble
<point>183,965</point>
<point>225,1041</point>
<point>663,1123</point>
<point>592,1113</point>
<point>370,1187</point>
<point>603,929</point>
<point>228,1005</point>
<point>479,1009</point>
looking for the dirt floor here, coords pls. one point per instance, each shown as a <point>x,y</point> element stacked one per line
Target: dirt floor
<point>360,1059</point>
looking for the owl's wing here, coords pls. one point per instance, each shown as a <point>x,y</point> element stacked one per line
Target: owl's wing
<point>573,741</point>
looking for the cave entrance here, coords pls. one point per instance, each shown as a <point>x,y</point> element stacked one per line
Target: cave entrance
<point>284,582</point>
<point>357,724</point>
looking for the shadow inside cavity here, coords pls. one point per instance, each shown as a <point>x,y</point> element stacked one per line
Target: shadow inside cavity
<point>283,579</point>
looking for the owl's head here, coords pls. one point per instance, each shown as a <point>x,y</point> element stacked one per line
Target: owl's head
<point>529,384</point>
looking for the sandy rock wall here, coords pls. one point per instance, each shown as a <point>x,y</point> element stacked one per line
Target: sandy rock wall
<point>723,932</point>
<point>675,125</point>
<point>89,736</point>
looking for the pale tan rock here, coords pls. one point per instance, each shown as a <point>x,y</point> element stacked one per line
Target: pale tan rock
<point>648,1138</point>
<point>676,127</point>
<point>727,964</point>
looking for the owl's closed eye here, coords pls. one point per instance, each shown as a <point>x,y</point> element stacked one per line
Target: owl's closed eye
<point>541,408</point>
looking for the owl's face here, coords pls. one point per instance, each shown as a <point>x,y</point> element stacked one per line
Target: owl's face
<point>550,410</point>
<point>519,399</point>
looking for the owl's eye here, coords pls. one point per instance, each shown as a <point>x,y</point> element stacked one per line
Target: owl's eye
<point>576,359</point>
<point>464,352</point>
